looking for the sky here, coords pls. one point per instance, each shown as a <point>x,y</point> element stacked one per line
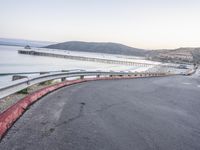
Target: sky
<point>149,24</point>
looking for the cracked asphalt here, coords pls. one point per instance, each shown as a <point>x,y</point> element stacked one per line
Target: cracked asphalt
<point>135,114</point>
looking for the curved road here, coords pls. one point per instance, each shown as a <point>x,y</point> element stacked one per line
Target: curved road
<point>138,114</point>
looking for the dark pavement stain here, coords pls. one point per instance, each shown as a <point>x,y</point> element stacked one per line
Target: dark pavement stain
<point>48,132</point>
<point>51,130</point>
<point>80,114</point>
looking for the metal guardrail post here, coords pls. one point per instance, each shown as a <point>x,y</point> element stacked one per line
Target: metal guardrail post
<point>17,77</point>
<point>63,79</point>
<point>82,77</point>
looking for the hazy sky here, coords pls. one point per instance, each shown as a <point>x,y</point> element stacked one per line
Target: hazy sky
<point>148,24</point>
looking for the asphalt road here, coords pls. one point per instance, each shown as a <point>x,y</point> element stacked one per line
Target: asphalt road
<point>137,114</point>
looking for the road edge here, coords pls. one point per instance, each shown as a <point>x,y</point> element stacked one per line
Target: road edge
<point>14,112</point>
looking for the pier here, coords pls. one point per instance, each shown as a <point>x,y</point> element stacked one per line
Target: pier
<point>81,58</point>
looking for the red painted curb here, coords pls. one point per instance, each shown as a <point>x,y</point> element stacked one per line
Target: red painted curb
<point>9,116</point>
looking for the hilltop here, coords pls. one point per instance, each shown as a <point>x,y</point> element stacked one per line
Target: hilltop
<point>99,47</point>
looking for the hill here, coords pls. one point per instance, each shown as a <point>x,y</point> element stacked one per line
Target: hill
<point>180,55</point>
<point>95,47</point>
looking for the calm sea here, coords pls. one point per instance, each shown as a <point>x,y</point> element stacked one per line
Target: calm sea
<point>11,61</point>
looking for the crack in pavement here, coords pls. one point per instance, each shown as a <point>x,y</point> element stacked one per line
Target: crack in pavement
<point>80,114</point>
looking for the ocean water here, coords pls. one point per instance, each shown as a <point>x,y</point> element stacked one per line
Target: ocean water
<point>12,62</point>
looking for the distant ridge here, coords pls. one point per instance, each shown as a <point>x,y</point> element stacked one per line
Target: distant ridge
<point>22,42</point>
<point>98,47</point>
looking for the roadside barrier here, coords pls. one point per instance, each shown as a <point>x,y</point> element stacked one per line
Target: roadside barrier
<point>9,116</point>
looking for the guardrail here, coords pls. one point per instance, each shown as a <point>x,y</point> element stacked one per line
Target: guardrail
<point>18,85</point>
